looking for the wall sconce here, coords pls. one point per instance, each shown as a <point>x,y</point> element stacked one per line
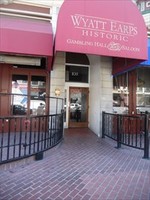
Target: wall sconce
<point>57,92</point>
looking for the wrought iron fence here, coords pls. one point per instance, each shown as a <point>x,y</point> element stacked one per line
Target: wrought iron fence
<point>21,137</point>
<point>23,134</point>
<point>129,130</point>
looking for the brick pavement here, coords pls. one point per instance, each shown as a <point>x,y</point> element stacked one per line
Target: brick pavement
<point>81,167</point>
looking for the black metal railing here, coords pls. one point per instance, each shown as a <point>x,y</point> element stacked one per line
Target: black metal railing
<point>129,130</point>
<point>24,132</point>
<point>22,137</point>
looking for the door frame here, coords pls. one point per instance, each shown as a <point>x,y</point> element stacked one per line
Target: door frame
<point>79,124</point>
<point>67,86</point>
<point>68,123</point>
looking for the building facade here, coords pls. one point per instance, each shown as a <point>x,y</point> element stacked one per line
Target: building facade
<point>81,60</point>
<point>25,60</point>
<point>134,84</point>
<point>144,7</point>
<point>102,65</point>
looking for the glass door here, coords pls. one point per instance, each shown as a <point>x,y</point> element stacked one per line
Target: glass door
<point>19,97</point>
<point>78,107</point>
<point>38,93</point>
<point>29,94</point>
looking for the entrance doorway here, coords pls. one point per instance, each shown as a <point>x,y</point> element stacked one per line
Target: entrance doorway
<point>78,107</point>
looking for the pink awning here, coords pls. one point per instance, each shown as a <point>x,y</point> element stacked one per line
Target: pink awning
<point>108,28</point>
<point>26,36</point>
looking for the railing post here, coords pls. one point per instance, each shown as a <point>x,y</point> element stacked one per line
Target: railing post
<point>62,117</point>
<point>146,137</point>
<point>103,124</point>
<point>118,131</point>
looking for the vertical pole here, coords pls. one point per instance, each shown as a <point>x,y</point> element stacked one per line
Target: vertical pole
<point>62,127</point>
<point>62,113</point>
<point>146,138</point>
<point>103,124</point>
<point>118,131</point>
<point>56,105</point>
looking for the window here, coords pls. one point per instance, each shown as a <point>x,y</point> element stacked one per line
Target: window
<point>143,90</point>
<point>77,74</point>
<point>120,93</point>
<point>77,68</point>
<point>38,92</point>
<point>28,95</point>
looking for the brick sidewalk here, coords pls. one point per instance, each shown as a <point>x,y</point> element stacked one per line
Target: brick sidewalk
<point>81,167</point>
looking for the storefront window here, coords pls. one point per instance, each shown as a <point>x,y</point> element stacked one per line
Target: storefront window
<point>120,94</point>
<point>38,92</point>
<point>19,91</point>
<point>28,95</point>
<point>143,90</point>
